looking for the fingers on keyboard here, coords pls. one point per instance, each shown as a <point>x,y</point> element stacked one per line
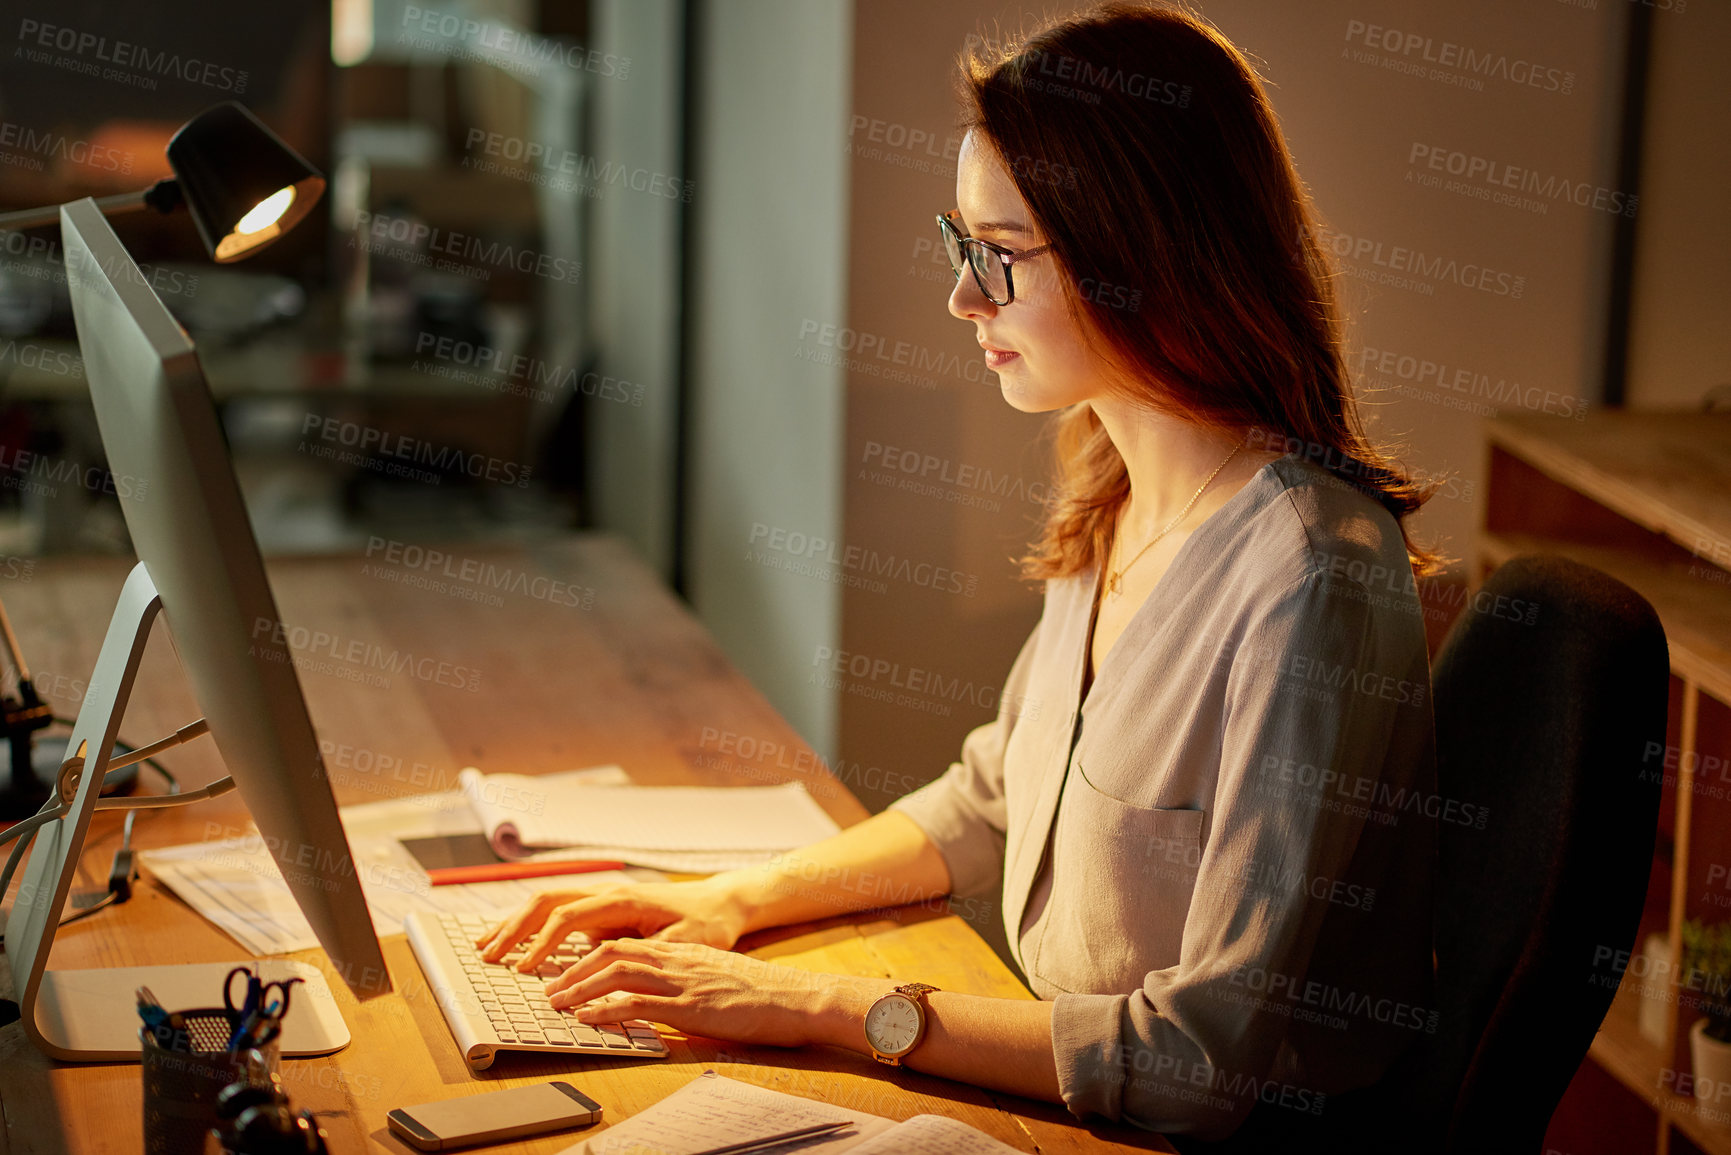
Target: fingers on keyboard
<point>515,1002</point>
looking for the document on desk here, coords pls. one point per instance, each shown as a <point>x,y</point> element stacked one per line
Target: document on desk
<point>236,883</point>
<point>713,1111</point>
<point>931,1135</point>
<point>691,828</point>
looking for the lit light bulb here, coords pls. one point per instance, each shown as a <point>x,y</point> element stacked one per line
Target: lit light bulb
<point>267,212</point>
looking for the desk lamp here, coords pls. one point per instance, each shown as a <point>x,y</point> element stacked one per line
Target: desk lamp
<point>242,184</point>
<point>244,187</point>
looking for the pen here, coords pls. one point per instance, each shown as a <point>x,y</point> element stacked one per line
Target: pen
<point>771,1141</point>
<point>165,1026</point>
<point>258,1030</point>
<point>167,1031</point>
<point>494,871</point>
<point>150,1010</point>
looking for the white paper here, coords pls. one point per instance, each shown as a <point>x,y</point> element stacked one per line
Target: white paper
<point>736,825</point>
<point>236,884</point>
<point>932,1135</point>
<point>228,884</point>
<point>712,1111</point>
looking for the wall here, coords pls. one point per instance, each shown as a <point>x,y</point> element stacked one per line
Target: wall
<point>1504,315</point>
<point>770,260</point>
<point>1466,296</point>
<point>632,410</point>
<point>922,655</point>
<point>1680,340</point>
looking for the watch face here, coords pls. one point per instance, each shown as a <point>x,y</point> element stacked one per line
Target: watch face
<point>893,1024</point>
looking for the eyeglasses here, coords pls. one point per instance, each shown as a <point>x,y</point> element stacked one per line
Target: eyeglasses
<point>991,263</point>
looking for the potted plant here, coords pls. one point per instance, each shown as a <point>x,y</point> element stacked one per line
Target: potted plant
<point>1706,977</point>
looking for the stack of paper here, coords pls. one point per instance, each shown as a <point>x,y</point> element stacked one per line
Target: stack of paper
<point>711,1112</point>
<point>236,884</point>
<point>584,814</point>
<point>700,829</point>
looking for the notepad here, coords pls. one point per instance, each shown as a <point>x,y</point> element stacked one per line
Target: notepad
<point>701,829</point>
<point>712,1111</point>
<point>931,1135</point>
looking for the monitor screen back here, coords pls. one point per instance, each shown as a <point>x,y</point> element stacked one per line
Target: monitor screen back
<point>189,526</point>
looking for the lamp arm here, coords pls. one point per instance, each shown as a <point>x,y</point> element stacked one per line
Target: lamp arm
<point>29,713</point>
<point>12,649</point>
<point>163,196</point>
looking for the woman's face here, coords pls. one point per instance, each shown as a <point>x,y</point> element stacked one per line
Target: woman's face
<point>1043,358</point>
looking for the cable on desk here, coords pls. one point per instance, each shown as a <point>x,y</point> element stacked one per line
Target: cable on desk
<point>24,833</point>
<point>121,871</point>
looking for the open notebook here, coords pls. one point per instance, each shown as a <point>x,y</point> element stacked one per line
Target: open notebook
<point>598,814</point>
<point>713,1111</point>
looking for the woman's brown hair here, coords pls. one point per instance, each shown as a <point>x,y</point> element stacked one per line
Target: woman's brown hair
<point>1152,162</point>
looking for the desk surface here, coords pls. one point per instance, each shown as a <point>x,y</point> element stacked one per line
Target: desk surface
<point>582,659</point>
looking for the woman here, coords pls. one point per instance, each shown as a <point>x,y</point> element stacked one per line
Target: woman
<point>1211,837</point>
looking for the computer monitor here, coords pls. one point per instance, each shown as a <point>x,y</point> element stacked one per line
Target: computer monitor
<point>198,562</point>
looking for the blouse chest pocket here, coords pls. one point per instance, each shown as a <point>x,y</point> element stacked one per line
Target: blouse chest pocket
<point>1122,880</point>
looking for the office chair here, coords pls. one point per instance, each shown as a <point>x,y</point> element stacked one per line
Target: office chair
<point>1548,725</point>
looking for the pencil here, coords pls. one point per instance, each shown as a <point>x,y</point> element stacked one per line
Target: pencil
<point>768,1141</point>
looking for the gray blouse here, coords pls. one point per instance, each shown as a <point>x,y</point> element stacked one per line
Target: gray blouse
<point>1218,863</point>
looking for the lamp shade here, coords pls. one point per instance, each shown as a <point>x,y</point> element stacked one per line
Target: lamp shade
<point>242,184</point>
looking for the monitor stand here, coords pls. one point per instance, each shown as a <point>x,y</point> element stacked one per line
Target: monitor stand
<point>91,1015</point>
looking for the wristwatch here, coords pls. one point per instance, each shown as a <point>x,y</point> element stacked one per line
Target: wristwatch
<point>895,1024</point>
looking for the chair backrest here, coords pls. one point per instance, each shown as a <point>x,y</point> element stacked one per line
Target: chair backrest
<point>1548,692</point>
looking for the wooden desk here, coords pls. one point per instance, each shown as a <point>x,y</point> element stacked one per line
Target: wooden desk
<point>631,679</point>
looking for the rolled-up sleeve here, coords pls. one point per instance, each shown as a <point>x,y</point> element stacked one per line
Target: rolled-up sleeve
<point>1314,680</point>
<point>962,811</point>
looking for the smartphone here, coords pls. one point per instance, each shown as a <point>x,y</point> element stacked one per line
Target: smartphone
<point>494,1116</point>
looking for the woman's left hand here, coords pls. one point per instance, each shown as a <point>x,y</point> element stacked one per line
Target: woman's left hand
<point>704,991</point>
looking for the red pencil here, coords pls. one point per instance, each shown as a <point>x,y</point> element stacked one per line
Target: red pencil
<point>494,871</point>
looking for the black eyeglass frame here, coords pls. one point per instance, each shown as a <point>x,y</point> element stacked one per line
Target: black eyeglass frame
<point>968,246</point>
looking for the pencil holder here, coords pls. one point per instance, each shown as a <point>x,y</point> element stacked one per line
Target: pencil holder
<point>185,1070</point>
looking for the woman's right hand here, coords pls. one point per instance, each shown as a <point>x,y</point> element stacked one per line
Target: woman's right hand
<point>707,911</point>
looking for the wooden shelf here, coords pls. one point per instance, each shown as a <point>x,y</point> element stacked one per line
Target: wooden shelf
<point>1623,1050</point>
<point>1712,1137</point>
<point>1667,472</point>
<point>1637,1063</point>
<point>1645,498</point>
<point>1693,599</point>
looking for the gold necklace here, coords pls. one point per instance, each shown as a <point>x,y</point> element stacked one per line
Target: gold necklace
<point>1113,584</point>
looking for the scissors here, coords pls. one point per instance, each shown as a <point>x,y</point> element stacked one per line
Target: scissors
<point>256,1007</point>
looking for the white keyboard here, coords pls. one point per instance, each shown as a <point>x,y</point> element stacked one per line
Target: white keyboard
<point>490,1007</point>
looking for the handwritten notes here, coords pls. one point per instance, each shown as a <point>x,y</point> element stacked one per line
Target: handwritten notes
<point>712,1111</point>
